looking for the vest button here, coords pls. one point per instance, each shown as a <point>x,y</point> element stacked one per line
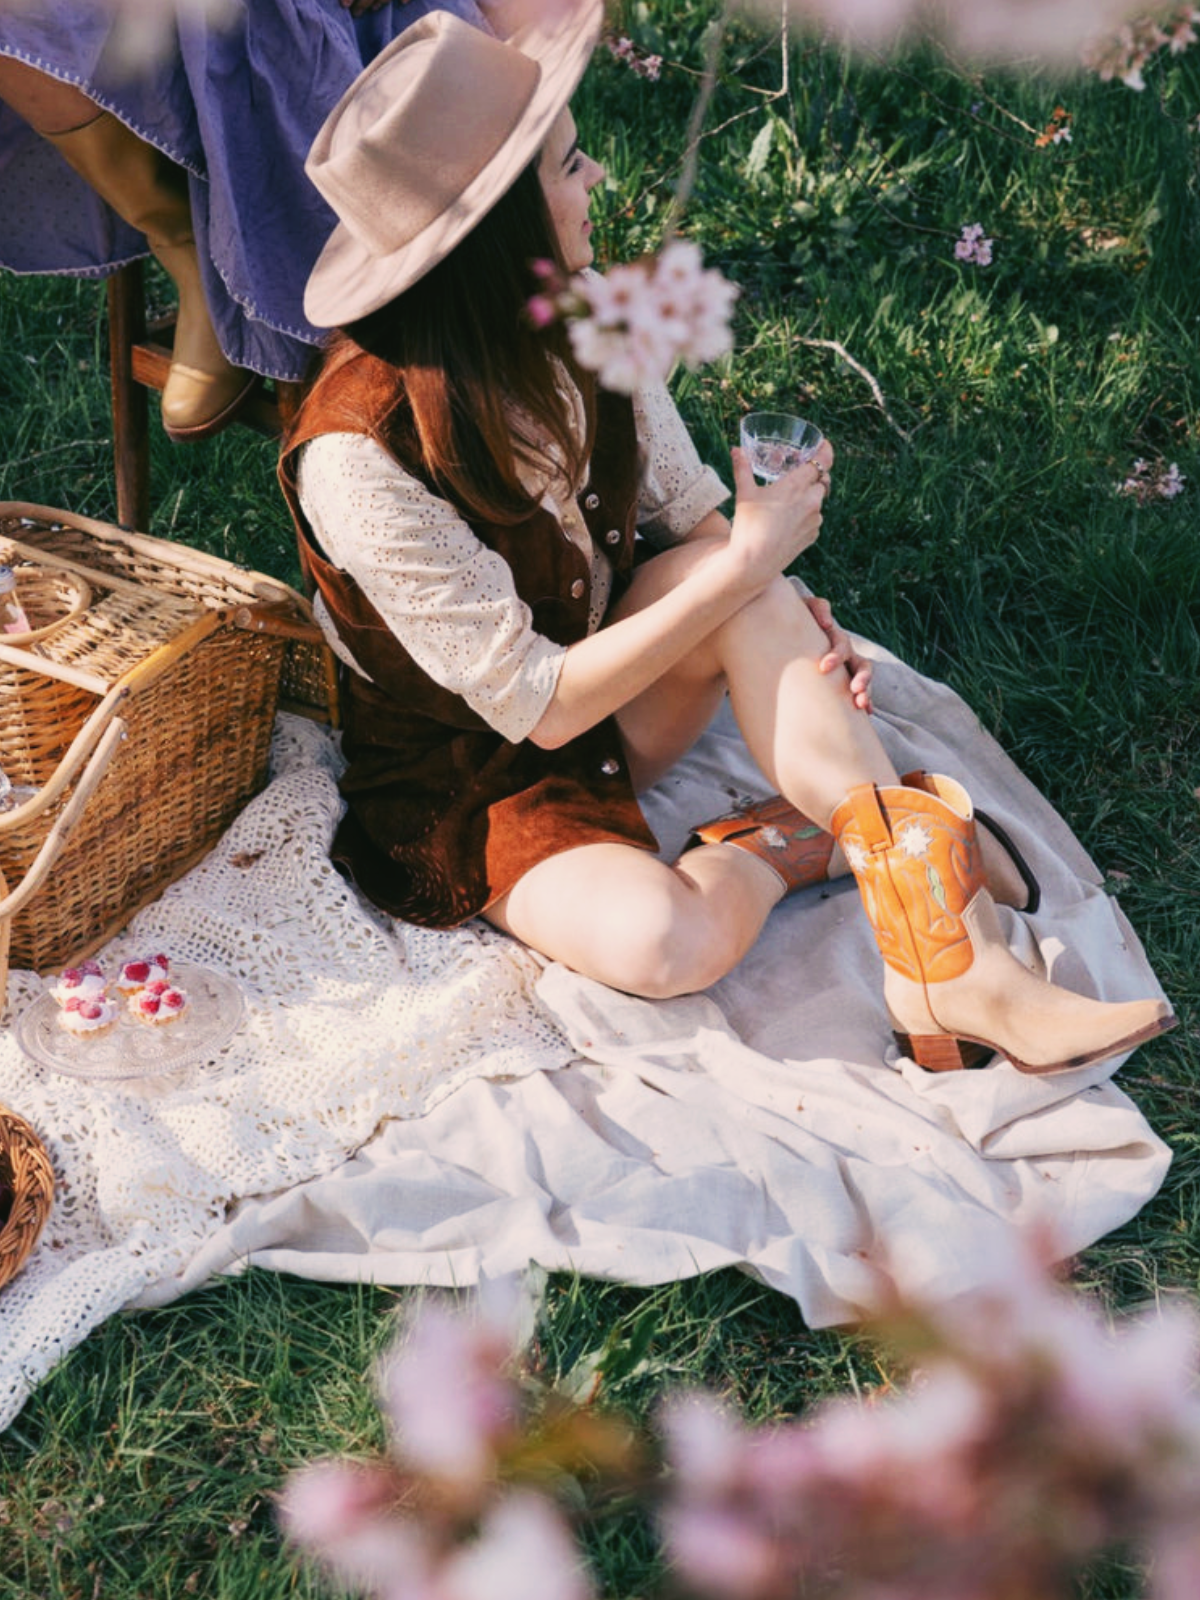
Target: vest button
<point>592,503</point>
<point>613,536</point>
<point>577,589</point>
<point>610,768</point>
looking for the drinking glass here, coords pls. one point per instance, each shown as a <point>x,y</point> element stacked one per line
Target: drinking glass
<point>776,443</point>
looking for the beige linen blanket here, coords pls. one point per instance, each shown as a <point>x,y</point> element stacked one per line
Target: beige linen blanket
<point>419,1107</point>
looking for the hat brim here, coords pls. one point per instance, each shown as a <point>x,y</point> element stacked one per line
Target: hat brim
<point>349,281</point>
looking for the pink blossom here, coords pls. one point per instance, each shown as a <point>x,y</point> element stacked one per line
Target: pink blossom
<point>638,320</point>
<point>638,61</point>
<point>1129,1396</point>
<point>344,1514</point>
<point>1053,30</point>
<point>1152,480</point>
<point>973,247</point>
<point>721,1551</point>
<point>330,1499</point>
<point>1175,1559</point>
<point>524,1551</point>
<point>146,31</point>
<point>542,310</point>
<point>449,1396</point>
<point>705,1443</point>
<point>1124,52</point>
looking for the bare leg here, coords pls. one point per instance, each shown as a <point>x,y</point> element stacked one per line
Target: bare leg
<point>620,915</point>
<point>800,724</point>
<point>658,930</point>
<point>47,105</point>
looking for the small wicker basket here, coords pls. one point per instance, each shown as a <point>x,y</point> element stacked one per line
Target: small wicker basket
<point>26,1174</point>
<point>143,722</point>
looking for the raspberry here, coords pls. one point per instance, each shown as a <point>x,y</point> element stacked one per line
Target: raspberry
<point>73,1004</point>
<point>139,971</point>
<point>91,1010</point>
<point>149,1003</point>
<point>173,1000</point>
<point>93,969</point>
<point>157,987</point>
<point>71,976</point>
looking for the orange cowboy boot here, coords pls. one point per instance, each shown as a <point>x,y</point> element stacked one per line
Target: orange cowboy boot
<point>950,979</point>
<point>801,854</point>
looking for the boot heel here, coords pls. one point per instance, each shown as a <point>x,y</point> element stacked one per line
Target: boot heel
<point>942,1052</point>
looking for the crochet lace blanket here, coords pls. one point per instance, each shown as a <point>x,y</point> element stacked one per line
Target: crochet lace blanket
<point>348,1021</point>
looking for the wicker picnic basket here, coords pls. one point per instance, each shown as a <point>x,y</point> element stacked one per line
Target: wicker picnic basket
<point>27,1184</point>
<point>142,720</point>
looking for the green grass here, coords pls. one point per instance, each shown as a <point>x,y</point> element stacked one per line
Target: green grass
<point>978,534</point>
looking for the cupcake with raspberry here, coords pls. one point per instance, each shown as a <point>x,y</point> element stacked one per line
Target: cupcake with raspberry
<point>89,1016</point>
<point>136,975</point>
<point>83,982</point>
<point>158,1003</point>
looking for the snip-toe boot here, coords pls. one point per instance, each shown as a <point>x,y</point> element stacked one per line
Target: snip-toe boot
<point>203,391</point>
<point>950,981</point>
<point>801,853</point>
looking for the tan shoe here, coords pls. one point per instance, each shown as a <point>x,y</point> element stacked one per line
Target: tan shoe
<point>949,977</point>
<point>204,390</point>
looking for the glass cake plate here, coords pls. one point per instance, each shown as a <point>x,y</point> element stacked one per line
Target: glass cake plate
<point>133,1049</point>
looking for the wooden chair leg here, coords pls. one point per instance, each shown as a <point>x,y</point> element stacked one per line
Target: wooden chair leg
<point>130,411</point>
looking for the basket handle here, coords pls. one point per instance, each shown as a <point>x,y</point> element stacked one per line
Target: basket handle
<point>80,748</point>
<point>56,838</point>
<point>282,619</point>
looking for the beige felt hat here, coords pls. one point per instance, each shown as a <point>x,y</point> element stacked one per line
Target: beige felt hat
<point>427,139</point>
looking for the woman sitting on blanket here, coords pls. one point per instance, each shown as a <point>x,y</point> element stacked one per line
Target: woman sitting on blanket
<point>466,502</point>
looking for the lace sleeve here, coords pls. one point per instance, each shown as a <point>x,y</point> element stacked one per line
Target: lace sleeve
<point>449,600</point>
<point>677,490</point>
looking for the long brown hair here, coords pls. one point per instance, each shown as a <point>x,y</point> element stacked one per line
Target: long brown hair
<point>467,356</point>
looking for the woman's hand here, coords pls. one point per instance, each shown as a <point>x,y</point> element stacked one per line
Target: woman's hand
<point>773,523</point>
<point>842,653</point>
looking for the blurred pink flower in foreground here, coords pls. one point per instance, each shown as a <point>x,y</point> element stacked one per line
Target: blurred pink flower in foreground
<point>632,324</point>
<point>1030,1439</point>
<point>146,32</point>
<point>973,247</point>
<point>1125,52</point>
<point>1052,30</point>
<point>448,1396</point>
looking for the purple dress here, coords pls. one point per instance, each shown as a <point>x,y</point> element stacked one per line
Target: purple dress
<point>237,107</point>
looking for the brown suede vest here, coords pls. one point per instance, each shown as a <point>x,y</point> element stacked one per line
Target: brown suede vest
<point>444,815</point>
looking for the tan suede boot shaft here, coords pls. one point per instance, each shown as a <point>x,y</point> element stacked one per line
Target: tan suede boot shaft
<point>949,974</point>
<point>150,192</point>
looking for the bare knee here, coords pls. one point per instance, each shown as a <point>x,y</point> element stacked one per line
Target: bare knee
<point>677,946</point>
<point>779,610</point>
